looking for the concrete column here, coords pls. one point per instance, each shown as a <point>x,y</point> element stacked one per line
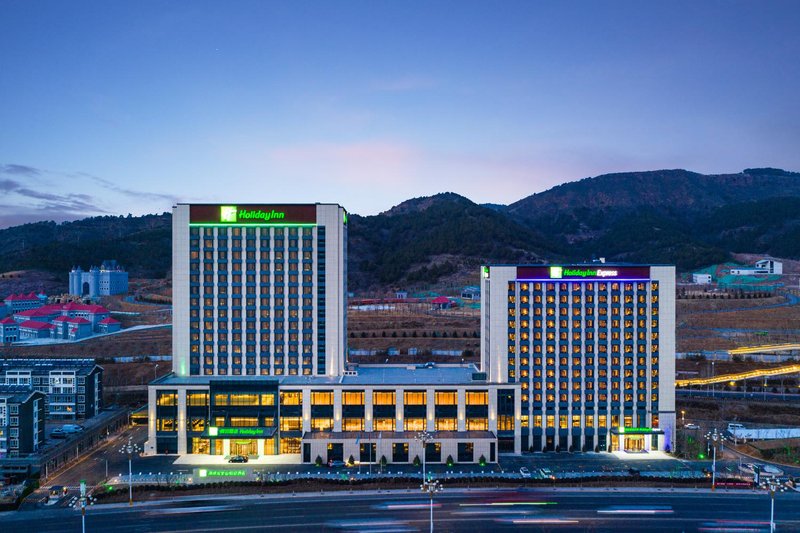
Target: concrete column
<point>150,445</point>
<point>368,417</point>
<point>462,410</point>
<point>337,410</point>
<point>182,421</point>
<point>493,411</point>
<point>226,446</point>
<point>431,425</point>
<point>260,446</point>
<point>306,410</point>
<point>398,409</point>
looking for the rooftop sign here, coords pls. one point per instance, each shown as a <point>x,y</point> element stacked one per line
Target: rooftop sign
<point>209,472</point>
<point>253,214</point>
<point>583,272</point>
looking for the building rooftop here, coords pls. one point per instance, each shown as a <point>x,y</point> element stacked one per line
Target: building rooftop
<point>81,366</point>
<point>16,393</point>
<point>35,324</point>
<point>428,374</point>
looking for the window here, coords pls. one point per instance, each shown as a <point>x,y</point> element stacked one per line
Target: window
<point>322,398</point>
<point>164,424</point>
<point>166,398</point>
<point>197,399</point>
<point>384,424</point>
<point>446,424</point>
<point>383,398</point>
<point>290,445</point>
<point>446,398</point>
<point>353,424</point>
<point>353,398</point>
<point>477,424</point>
<point>505,423</point>
<point>414,398</point>
<point>477,398</point>
<point>414,424</point>
<point>291,423</point>
<point>321,424</point>
<point>244,399</point>
<point>244,421</point>
<point>291,398</point>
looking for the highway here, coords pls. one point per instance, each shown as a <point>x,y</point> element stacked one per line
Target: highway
<point>653,510</point>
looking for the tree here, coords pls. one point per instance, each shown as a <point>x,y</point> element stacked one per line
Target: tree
<point>450,461</point>
<point>482,460</point>
<point>351,461</point>
<point>318,461</point>
<point>417,462</point>
<point>384,462</point>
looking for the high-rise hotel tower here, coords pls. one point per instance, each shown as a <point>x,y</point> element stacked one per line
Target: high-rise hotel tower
<point>593,347</point>
<point>259,289</point>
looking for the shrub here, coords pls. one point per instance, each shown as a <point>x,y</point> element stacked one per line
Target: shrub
<point>384,462</point>
<point>351,460</point>
<point>450,461</point>
<point>417,462</point>
<point>482,460</point>
<point>318,461</point>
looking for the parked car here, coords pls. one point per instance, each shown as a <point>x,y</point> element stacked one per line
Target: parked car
<point>691,426</point>
<point>546,473</point>
<point>58,433</point>
<point>335,464</point>
<point>71,428</point>
<point>238,459</point>
<point>524,472</point>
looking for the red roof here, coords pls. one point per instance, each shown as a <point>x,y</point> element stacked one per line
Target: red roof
<point>109,320</point>
<point>33,324</point>
<point>78,320</point>
<point>24,297</point>
<point>62,318</point>
<point>94,309</point>
<point>39,312</point>
<point>8,320</point>
<point>441,300</point>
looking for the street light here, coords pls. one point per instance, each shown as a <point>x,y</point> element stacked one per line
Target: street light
<point>714,437</point>
<point>772,485</point>
<point>683,418</point>
<point>424,437</point>
<point>130,448</point>
<point>713,386</point>
<point>431,487</point>
<point>155,373</point>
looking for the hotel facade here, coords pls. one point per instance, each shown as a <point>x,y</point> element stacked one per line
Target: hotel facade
<point>259,354</point>
<point>593,349</point>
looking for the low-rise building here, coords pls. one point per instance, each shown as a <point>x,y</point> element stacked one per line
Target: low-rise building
<point>72,387</point>
<point>107,279</point>
<point>34,329</point>
<point>700,278</point>
<point>9,330</point>
<point>22,411</point>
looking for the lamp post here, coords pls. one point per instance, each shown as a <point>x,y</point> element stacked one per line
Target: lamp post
<point>424,437</point>
<point>714,437</point>
<point>772,485</point>
<point>431,487</point>
<point>130,448</point>
<point>155,372</point>
<point>683,417</point>
<point>713,385</point>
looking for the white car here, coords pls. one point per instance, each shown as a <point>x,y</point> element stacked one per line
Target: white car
<point>691,426</point>
<point>524,472</point>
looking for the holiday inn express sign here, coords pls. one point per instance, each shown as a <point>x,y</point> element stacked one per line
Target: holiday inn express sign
<point>251,214</point>
<point>582,272</point>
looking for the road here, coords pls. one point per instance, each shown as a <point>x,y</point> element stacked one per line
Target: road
<point>653,510</point>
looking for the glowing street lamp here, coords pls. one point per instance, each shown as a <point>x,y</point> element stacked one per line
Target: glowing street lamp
<point>431,487</point>
<point>772,485</point>
<point>714,437</point>
<point>130,448</point>
<point>424,437</point>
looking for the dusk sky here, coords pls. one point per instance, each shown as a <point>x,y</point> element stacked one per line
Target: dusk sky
<point>112,107</point>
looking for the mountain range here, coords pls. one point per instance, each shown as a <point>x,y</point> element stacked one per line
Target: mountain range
<point>663,216</point>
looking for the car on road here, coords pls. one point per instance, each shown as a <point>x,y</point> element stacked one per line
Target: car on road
<point>58,433</point>
<point>524,472</point>
<point>691,426</point>
<point>238,459</point>
<point>546,473</point>
<point>335,464</point>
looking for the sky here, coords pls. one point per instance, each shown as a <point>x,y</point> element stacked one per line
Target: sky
<point>115,107</point>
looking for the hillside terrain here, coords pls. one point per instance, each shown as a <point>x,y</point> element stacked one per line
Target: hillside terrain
<point>666,216</point>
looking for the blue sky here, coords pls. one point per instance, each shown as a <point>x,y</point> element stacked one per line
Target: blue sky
<point>112,107</point>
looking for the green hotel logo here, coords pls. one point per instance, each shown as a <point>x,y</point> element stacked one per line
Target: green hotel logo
<point>556,272</point>
<point>227,213</point>
<point>212,431</point>
<point>232,214</point>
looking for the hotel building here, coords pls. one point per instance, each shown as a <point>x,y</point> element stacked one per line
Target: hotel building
<point>593,349</point>
<point>259,354</point>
